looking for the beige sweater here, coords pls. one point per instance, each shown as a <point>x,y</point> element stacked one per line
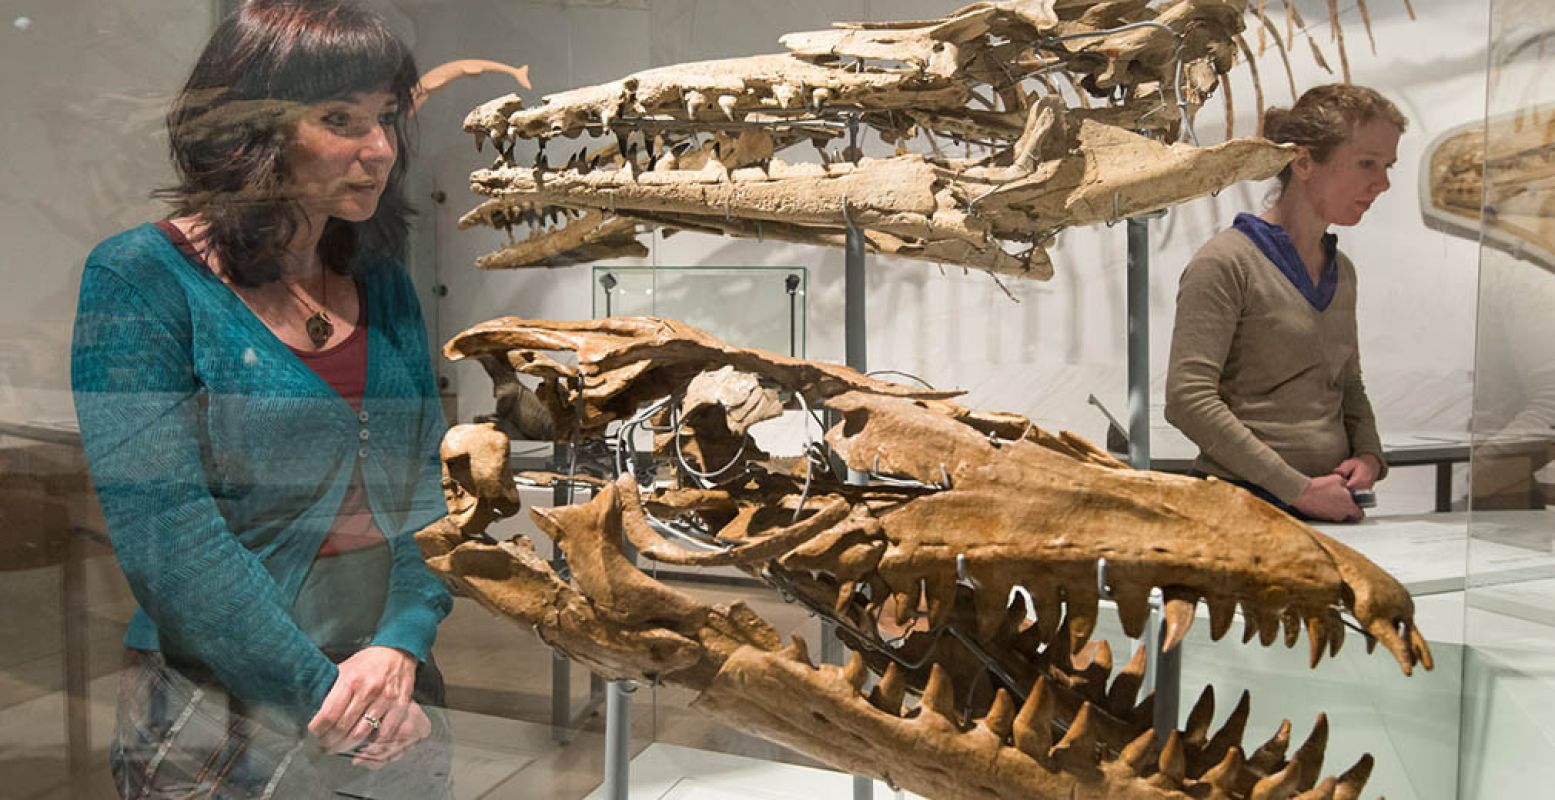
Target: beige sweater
<point>1267,386</point>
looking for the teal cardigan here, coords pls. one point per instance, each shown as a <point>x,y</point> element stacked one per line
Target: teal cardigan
<point>221,460</point>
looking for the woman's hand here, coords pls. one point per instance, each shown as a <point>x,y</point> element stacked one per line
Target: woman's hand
<point>381,750</point>
<point>375,683</point>
<point>1359,473</point>
<point>1327,498</point>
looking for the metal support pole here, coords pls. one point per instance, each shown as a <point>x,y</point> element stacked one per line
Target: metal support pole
<point>854,327</point>
<point>618,738</point>
<point>1164,670</point>
<point>561,668</point>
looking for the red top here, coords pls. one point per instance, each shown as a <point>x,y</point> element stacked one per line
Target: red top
<point>344,368</point>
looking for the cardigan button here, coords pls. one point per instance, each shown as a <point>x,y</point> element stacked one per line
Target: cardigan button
<point>362,453</point>
<point>361,416</point>
<point>363,434</point>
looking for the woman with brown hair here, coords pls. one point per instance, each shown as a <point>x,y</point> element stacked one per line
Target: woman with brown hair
<point>1264,373</point>
<point>255,394</point>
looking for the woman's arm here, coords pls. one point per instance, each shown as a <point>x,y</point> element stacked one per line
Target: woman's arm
<point>1360,425</point>
<point>137,402</point>
<point>1209,308</point>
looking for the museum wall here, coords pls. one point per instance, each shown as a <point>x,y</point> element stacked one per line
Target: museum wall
<point>1035,348</point>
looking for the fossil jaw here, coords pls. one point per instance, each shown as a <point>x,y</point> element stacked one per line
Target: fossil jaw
<point>981,537</point>
<point>709,146</point>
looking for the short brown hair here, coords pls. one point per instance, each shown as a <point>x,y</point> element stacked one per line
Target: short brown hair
<point>1327,116</point>
<point>230,124</point>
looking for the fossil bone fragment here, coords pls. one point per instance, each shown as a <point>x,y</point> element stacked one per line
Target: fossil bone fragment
<point>710,146</point>
<point>964,575</point>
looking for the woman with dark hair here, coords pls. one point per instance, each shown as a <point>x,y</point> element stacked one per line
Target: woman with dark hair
<point>1264,373</point>
<point>255,394</point>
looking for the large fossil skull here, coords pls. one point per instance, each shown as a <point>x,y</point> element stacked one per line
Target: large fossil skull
<point>1071,104</point>
<point>965,573</point>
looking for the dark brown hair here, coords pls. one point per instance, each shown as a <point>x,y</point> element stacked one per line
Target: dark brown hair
<point>1325,117</point>
<point>229,127</point>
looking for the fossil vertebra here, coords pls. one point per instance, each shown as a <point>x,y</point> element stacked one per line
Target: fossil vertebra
<point>965,573</point>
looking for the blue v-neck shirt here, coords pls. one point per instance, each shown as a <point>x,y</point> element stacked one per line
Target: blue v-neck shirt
<point>220,460</point>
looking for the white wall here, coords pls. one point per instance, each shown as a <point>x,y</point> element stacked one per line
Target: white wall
<point>84,86</point>
<point>1064,339</point>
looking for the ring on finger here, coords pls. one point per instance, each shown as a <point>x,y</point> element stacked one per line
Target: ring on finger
<point>372,721</point>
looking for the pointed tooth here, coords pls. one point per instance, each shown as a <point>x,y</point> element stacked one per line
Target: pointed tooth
<point>1418,646</point>
<point>1139,754</point>
<point>1324,790</point>
<point>939,695</point>
<point>1292,624</point>
<point>1310,754</point>
<point>992,604</point>
<point>1133,601</point>
<point>1196,732</point>
<point>1033,731</point>
<point>1271,754</point>
<point>1125,687</point>
<point>844,595</point>
<point>940,592</point>
<point>856,672</point>
<point>1049,609</point>
<point>727,103</point>
<point>607,113</point>
<point>1386,633</point>
<point>480,141</point>
<point>695,102</point>
<point>1278,786</point>
<point>1014,615</point>
<point>1222,610</point>
<point>1336,632</point>
<point>820,97</point>
<point>1354,779</point>
<point>1317,640</point>
<point>1078,747</point>
<point>799,650</point>
<point>1059,652</point>
<point>1080,605</point>
<point>786,94</point>
<point>1172,765</point>
<point>1001,715</point>
<point>1249,622</point>
<point>1268,626</point>
<point>889,692</point>
<point>1230,734</point>
<point>1181,605</point>
<point>1223,775</point>
<point>907,603</point>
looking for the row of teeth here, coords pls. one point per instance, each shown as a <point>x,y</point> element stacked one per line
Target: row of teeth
<point>1188,759</point>
<point>544,219</point>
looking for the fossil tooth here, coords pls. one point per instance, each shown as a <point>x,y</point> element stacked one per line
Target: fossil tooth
<point>607,113</point>
<point>1001,715</point>
<point>1230,734</point>
<point>1386,631</point>
<point>939,694</point>
<point>786,94</point>
<point>856,672</point>
<point>1196,732</point>
<point>1139,754</point>
<point>1172,765</point>
<point>890,691</point>
<point>1317,640</point>
<point>1050,612</point>
<point>1268,626</point>
<point>1354,779</point>
<point>1223,775</point>
<point>1125,687</point>
<point>799,650</point>
<point>1271,754</point>
<point>727,103</point>
<point>1291,621</point>
<point>845,595</point>
<point>1222,610</point>
<point>1418,646</point>
<point>991,603</point>
<point>1133,601</point>
<point>940,594</point>
<point>1033,733</point>
<point>480,141</point>
<point>695,103</point>
<point>1080,603</point>
<point>1336,628</point>
<point>820,97</point>
<point>1178,612</point>
<point>1078,747</point>
<point>1278,786</point>
<point>1310,754</point>
<point>907,603</point>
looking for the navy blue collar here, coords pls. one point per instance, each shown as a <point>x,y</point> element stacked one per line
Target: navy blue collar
<point>1275,244</point>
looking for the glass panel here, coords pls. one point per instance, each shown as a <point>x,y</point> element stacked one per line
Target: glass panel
<point>1509,699</point>
<point>760,307</point>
